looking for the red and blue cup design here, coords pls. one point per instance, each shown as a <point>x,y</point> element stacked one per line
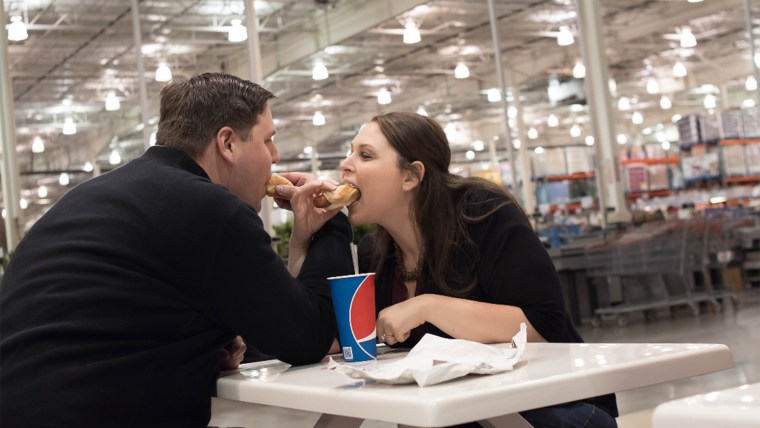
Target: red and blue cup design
<point>354,301</point>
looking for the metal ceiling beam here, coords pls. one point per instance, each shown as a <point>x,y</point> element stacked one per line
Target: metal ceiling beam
<point>332,27</point>
<point>673,15</point>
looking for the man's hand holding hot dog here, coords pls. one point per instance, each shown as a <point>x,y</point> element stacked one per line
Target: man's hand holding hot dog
<point>307,219</point>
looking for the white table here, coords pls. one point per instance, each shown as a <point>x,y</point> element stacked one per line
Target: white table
<point>550,373</point>
<point>737,407</point>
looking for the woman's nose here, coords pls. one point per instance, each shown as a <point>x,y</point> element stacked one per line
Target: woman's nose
<point>345,164</point>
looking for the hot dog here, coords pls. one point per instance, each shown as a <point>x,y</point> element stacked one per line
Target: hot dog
<point>343,196</point>
<point>274,181</point>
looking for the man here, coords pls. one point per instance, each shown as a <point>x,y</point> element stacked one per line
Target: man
<point>117,301</point>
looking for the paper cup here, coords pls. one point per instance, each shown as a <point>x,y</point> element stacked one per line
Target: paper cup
<point>353,297</point>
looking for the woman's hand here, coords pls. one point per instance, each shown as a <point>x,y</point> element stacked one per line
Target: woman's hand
<point>459,318</point>
<point>395,323</point>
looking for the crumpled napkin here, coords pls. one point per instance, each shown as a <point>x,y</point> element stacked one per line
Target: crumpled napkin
<point>435,359</point>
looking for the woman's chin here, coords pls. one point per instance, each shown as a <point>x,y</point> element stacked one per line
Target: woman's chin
<point>354,216</point>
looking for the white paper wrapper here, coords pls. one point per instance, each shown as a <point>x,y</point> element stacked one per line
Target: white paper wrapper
<point>435,359</point>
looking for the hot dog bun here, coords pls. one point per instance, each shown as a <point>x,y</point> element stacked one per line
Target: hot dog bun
<point>343,196</point>
<point>274,181</point>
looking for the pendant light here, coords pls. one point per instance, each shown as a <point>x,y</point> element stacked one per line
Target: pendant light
<point>319,72</point>
<point>579,70</point>
<point>665,103</point>
<point>163,73</point>
<point>565,37</point>
<point>38,146</point>
<point>318,119</point>
<point>411,33</point>
<point>687,38</point>
<point>679,70</point>
<point>384,96</point>
<point>112,102</point>
<point>69,127</point>
<point>17,30</point>
<point>237,32</point>
<point>461,71</point>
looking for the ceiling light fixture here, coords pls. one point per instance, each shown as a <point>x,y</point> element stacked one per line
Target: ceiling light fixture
<point>17,30</point>
<point>688,40</point>
<point>748,103</point>
<point>579,70</point>
<point>38,146</point>
<point>710,101</point>
<point>237,32</point>
<point>624,103</point>
<point>538,150</point>
<point>552,121</point>
<point>42,192</point>
<point>69,127</point>
<point>665,103</point>
<point>575,131</point>
<point>565,36</point>
<point>115,158</point>
<point>163,73</point>
<point>462,71</point>
<point>750,84</point>
<point>87,167</point>
<point>318,119</point>
<point>112,102</point>
<point>469,154</point>
<point>652,86</point>
<point>319,72</point>
<point>621,139</point>
<point>679,69</point>
<point>589,140</point>
<point>532,133</point>
<point>493,95</point>
<point>63,179</point>
<point>637,118</point>
<point>411,33</point>
<point>384,96</point>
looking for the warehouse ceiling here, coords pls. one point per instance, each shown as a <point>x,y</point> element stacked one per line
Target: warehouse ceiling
<point>80,51</point>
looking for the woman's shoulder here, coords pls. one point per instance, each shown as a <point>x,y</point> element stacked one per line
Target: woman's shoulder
<point>477,200</point>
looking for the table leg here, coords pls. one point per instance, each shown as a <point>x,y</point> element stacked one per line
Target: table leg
<point>335,421</point>
<point>512,421</point>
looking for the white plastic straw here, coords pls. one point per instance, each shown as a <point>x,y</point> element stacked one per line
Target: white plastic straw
<point>355,257</point>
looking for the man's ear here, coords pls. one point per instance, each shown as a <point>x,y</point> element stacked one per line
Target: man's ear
<point>224,141</point>
<point>413,175</point>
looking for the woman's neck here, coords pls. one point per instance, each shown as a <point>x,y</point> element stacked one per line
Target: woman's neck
<point>408,239</point>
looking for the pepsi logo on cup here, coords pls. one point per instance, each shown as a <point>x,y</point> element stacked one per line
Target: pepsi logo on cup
<point>354,302</point>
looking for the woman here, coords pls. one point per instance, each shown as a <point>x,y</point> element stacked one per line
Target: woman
<point>454,256</point>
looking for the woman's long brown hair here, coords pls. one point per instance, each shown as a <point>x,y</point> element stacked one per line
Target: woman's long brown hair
<point>439,208</point>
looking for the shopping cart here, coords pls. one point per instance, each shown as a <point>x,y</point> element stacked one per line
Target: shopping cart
<point>722,250</point>
<point>654,264</point>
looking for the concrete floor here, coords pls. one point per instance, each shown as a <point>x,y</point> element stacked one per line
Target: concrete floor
<point>737,328</point>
